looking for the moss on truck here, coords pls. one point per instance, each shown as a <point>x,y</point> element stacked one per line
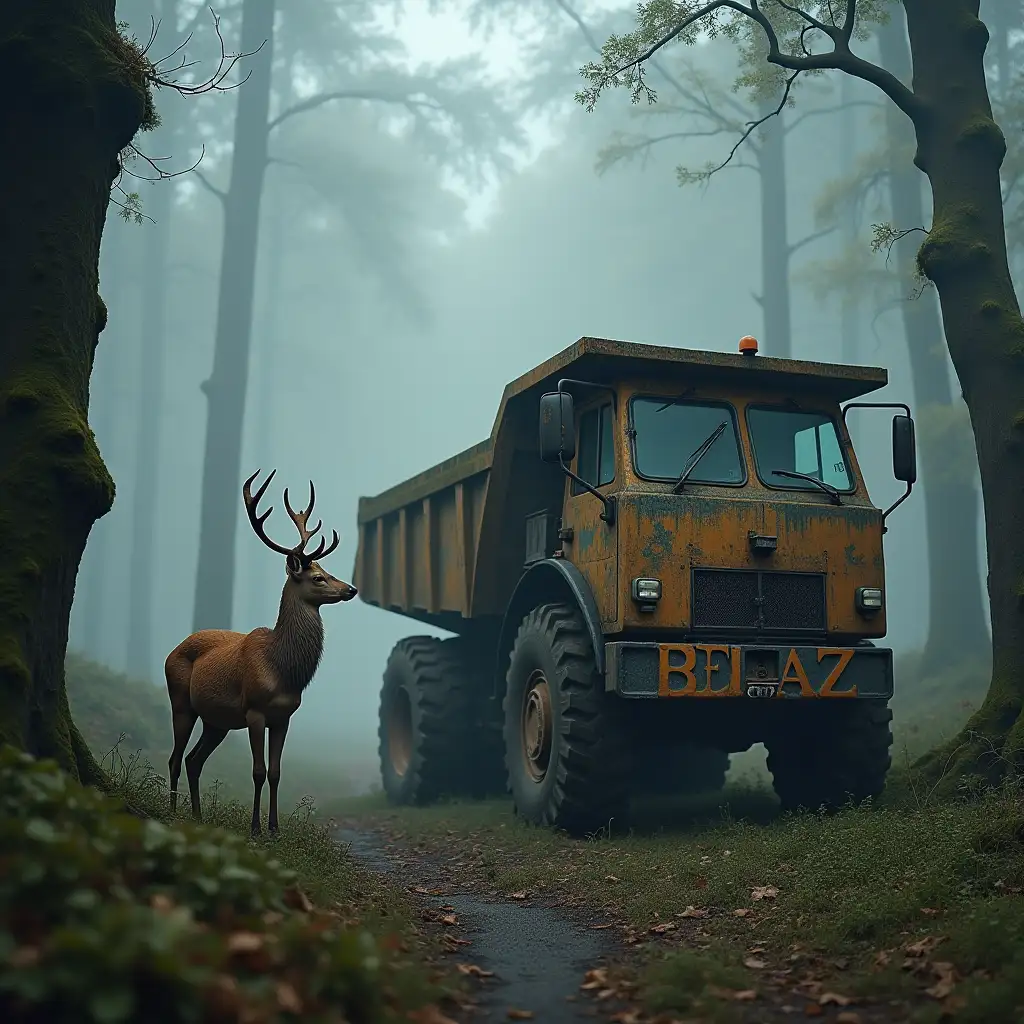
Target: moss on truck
<point>689,565</point>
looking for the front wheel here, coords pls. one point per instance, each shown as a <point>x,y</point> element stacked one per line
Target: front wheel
<point>832,755</point>
<point>566,751</point>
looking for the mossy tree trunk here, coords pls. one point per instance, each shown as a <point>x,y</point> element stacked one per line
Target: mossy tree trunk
<point>957,625</point>
<point>226,388</point>
<point>961,149</point>
<point>75,93</point>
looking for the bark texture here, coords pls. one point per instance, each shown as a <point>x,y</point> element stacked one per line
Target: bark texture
<point>75,95</point>
<point>226,388</point>
<point>957,624</point>
<point>960,148</point>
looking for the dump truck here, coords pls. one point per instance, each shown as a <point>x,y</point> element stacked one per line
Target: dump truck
<point>659,557</point>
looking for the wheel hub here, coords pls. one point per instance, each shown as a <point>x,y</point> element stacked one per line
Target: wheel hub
<point>536,726</point>
<point>399,725</point>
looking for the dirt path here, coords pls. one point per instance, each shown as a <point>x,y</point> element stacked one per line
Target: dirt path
<point>527,960</point>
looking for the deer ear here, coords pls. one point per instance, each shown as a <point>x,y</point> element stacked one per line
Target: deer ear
<point>294,564</point>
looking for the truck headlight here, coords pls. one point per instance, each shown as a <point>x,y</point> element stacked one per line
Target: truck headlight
<point>646,591</point>
<point>869,600</point>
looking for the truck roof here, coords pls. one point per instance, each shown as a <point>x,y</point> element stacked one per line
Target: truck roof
<point>602,360</point>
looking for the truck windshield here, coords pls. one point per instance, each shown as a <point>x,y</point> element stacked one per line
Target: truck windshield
<point>668,430</point>
<point>788,441</point>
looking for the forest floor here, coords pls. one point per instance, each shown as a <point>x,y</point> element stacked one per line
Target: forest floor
<point>722,910</point>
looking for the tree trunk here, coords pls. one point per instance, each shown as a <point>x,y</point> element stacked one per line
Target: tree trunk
<point>226,388</point>
<point>775,249</point>
<point>957,626</point>
<point>961,148</point>
<point>266,573</point>
<point>141,563</point>
<point>850,311</point>
<point>73,101</point>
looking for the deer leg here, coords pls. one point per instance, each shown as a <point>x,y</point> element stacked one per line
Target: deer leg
<point>257,736</point>
<point>209,741</point>
<point>276,745</point>
<point>184,724</point>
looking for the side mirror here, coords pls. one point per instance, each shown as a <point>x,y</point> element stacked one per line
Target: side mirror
<point>904,450</point>
<point>557,427</point>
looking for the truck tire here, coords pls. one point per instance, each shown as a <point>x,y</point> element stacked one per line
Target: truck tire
<point>680,769</point>
<point>432,743</point>
<point>566,751</point>
<point>839,753</point>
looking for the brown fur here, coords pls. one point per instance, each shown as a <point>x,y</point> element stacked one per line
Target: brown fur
<point>251,680</point>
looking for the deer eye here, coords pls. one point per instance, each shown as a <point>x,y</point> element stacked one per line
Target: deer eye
<point>318,579</point>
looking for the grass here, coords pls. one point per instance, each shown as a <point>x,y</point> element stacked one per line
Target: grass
<point>912,908</point>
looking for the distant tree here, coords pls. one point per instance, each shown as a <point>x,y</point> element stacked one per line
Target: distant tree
<point>76,93</point>
<point>960,148</point>
<point>451,111</point>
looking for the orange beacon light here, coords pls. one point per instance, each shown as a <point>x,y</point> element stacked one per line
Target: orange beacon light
<point>748,345</point>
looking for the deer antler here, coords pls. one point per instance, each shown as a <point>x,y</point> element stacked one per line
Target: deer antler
<point>301,520</point>
<point>252,501</point>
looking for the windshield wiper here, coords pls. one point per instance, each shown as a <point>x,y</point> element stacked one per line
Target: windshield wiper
<point>697,455</point>
<point>827,488</point>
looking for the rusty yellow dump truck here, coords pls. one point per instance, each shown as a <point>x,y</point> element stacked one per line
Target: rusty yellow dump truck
<point>660,556</point>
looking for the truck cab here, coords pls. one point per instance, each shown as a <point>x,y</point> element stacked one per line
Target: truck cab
<point>702,569</point>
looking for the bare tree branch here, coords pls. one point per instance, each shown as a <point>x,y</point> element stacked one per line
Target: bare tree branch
<point>209,185</point>
<point>795,247</point>
<point>818,111</point>
<point>311,103</point>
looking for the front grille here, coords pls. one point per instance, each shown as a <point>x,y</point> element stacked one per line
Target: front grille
<point>747,599</point>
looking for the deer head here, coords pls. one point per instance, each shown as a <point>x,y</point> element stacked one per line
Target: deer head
<point>312,585</point>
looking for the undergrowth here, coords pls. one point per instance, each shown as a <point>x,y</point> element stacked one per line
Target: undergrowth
<point>109,914</point>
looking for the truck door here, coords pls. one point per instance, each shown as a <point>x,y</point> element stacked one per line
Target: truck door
<point>594,547</point>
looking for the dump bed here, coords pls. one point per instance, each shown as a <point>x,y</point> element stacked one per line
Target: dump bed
<point>447,545</point>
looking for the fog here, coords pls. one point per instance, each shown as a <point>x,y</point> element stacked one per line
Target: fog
<point>406,273</point>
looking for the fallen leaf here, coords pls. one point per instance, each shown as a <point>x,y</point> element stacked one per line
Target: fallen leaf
<point>245,942</point>
<point>930,911</point>
<point>474,971</point>
<point>922,946</point>
<point>600,927</point>
<point>521,895</point>
<point>754,964</point>
<point>745,995</point>
<point>764,892</point>
<point>701,882</point>
<point>610,878</point>
<point>946,973</point>
<point>693,912</point>
<point>833,998</point>
<point>660,929</point>
<point>448,919</point>
<point>626,1017</point>
<point>741,912</point>
<point>287,998</point>
<point>514,1014</point>
<point>428,1015</point>
<point>596,978</point>
<point>882,958</point>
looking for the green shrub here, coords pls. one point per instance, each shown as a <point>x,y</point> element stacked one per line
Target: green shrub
<point>107,917</point>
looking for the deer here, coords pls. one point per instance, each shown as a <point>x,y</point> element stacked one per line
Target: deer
<point>254,681</point>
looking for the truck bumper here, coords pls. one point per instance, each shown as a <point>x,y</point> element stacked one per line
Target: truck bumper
<point>746,671</point>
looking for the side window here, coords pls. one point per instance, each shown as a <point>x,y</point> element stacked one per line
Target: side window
<point>595,456</point>
<point>817,453</point>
